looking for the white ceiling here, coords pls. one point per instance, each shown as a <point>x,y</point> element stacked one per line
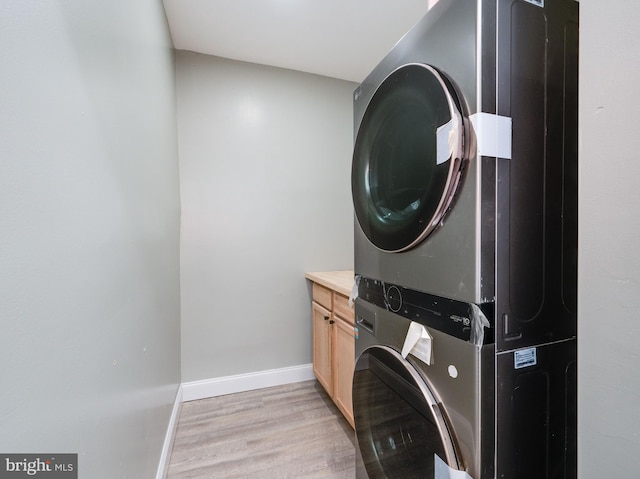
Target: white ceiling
<point>337,38</point>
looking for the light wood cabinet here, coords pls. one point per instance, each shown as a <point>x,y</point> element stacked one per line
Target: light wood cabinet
<point>333,338</point>
<point>322,346</point>
<point>343,364</point>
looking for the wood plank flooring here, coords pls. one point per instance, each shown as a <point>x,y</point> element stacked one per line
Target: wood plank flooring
<point>292,431</point>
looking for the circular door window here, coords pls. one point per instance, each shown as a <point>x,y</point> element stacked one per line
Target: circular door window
<point>408,157</point>
<point>399,425</point>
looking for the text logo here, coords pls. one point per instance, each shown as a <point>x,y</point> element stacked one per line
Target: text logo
<point>43,466</point>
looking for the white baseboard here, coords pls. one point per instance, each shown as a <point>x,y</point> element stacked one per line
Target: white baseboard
<point>165,455</point>
<point>207,388</point>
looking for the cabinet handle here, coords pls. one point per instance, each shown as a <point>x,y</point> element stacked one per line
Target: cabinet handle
<point>326,318</point>
<point>331,322</point>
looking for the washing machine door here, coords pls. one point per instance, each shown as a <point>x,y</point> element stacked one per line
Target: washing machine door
<point>408,157</point>
<point>400,428</point>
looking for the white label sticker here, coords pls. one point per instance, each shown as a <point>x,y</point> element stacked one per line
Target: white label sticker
<point>539,3</point>
<point>524,358</point>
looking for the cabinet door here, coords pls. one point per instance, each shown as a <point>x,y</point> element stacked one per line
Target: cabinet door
<point>322,346</point>
<point>343,364</point>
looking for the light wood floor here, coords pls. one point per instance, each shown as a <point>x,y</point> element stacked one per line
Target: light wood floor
<point>292,431</point>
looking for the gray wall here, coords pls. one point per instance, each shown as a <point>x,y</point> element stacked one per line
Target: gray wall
<point>89,232</point>
<point>265,158</point>
<point>609,291</point>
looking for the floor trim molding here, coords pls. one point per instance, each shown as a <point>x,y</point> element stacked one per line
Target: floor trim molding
<point>167,446</point>
<point>207,388</point>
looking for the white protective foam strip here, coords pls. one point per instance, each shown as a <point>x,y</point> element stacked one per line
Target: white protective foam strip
<point>493,134</point>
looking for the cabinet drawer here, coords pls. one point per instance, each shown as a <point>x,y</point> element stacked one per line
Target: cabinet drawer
<point>341,307</point>
<point>322,295</point>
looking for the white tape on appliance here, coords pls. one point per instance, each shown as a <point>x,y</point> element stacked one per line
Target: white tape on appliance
<point>443,471</point>
<point>418,343</point>
<point>354,290</point>
<point>447,140</point>
<point>493,134</point>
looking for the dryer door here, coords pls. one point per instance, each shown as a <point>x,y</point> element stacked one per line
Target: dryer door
<point>400,427</point>
<point>408,156</point>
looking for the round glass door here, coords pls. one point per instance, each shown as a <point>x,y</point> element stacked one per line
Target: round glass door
<point>408,157</point>
<point>399,425</point>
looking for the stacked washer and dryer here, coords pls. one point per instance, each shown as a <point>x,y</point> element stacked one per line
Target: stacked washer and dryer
<point>464,183</point>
